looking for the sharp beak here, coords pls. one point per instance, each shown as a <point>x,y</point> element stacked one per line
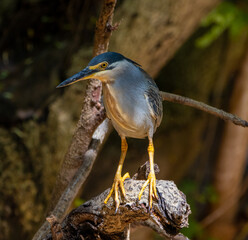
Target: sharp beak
<point>86,73</point>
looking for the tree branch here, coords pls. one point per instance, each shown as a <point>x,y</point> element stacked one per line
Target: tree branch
<point>92,113</point>
<point>96,220</point>
<point>204,107</point>
<point>99,137</point>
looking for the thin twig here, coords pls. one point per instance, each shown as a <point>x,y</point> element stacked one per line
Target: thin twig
<point>204,107</point>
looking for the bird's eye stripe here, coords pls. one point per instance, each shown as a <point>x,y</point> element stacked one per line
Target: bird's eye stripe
<point>93,67</point>
<point>99,66</point>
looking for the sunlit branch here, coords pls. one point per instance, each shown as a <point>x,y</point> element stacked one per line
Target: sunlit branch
<point>170,97</point>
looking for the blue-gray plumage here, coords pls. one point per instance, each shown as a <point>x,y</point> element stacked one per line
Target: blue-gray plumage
<point>133,103</point>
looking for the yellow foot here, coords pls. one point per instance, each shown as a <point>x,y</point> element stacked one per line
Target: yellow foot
<point>118,182</point>
<point>151,180</point>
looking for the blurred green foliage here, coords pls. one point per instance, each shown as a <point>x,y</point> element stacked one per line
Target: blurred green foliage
<point>156,236</point>
<point>197,199</point>
<point>227,16</point>
<point>78,202</point>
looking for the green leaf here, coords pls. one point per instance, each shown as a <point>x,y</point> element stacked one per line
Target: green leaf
<point>227,16</point>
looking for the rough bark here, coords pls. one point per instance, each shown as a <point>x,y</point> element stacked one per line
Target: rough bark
<point>95,220</point>
<point>67,197</point>
<point>231,161</point>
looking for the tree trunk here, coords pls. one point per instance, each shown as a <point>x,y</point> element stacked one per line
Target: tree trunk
<point>151,32</point>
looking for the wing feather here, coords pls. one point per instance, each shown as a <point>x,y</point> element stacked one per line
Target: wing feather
<point>154,101</point>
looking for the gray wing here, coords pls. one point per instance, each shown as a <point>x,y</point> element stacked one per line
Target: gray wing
<point>154,101</point>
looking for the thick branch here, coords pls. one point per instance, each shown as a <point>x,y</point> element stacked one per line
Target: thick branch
<point>204,107</point>
<point>104,27</point>
<point>95,220</point>
<point>99,137</point>
<point>92,113</point>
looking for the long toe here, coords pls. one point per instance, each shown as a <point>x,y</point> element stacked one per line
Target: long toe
<point>151,180</point>
<point>118,184</point>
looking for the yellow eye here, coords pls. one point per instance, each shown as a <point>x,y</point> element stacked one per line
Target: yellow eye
<point>103,65</point>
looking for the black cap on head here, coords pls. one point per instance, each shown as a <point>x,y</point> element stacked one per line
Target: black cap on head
<point>110,57</point>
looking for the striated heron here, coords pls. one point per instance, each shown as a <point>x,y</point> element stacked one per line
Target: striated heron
<point>134,105</point>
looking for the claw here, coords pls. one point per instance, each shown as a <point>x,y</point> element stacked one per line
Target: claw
<point>118,183</point>
<point>151,180</point>
<point>126,175</point>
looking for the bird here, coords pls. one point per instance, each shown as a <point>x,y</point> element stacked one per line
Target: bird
<point>134,106</point>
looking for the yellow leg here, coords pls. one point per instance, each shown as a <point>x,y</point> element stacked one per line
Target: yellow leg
<point>151,180</point>
<point>119,180</point>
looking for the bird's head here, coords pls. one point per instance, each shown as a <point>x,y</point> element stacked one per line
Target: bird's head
<point>103,67</point>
